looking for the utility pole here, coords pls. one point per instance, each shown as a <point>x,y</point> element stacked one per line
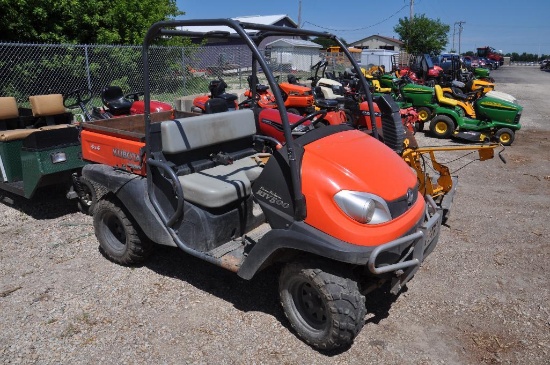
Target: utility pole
<point>411,11</point>
<point>454,32</point>
<point>300,14</point>
<point>459,33</point>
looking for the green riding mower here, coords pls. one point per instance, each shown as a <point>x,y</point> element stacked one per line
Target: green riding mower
<point>496,119</point>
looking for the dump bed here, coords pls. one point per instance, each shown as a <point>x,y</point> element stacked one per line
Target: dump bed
<point>120,142</point>
<point>130,127</point>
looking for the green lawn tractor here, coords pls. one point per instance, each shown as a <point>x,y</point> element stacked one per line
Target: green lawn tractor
<point>496,119</point>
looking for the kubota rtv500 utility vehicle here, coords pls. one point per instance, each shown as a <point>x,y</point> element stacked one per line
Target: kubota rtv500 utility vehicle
<point>335,209</point>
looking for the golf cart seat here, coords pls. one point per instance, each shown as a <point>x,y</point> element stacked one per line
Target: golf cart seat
<point>48,110</point>
<point>9,113</point>
<point>48,114</point>
<point>113,98</point>
<point>219,183</point>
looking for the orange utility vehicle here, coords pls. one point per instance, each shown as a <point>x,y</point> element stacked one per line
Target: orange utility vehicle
<point>335,209</point>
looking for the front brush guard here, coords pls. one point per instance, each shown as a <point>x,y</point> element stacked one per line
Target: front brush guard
<point>423,240</point>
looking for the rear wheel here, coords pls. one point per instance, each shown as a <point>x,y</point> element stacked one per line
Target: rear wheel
<point>442,126</point>
<point>88,195</point>
<point>505,136</point>
<point>424,114</point>
<point>325,309</point>
<point>119,238</point>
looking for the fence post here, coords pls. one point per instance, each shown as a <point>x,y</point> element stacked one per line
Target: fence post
<point>183,71</point>
<point>88,73</point>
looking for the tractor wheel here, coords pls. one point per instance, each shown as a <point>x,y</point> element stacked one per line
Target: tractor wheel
<point>424,114</point>
<point>505,136</point>
<point>419,126</point>
<point>293,111</point>
<point>442,126</point>
<point>119,238</point>
<point>325,309</point>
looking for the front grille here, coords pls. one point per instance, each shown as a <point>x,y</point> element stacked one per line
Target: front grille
<point>403,203</point>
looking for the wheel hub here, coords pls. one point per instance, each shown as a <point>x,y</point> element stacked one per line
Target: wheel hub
<point>311,305</point>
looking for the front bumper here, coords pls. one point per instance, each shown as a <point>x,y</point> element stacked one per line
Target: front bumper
<point>424,240</point>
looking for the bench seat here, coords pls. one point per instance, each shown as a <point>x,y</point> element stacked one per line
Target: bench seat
<point>222,184</point>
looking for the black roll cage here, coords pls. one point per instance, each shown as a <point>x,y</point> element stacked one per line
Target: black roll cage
<point>252,40</point>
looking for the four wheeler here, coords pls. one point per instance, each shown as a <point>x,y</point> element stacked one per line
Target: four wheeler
<point>338,227</point>
<point>495,119</point>
<point>206,104</point>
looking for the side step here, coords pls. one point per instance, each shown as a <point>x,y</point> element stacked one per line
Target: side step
<point>249,239</point>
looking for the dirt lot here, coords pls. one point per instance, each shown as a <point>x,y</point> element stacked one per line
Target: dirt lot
<point>481,297</point>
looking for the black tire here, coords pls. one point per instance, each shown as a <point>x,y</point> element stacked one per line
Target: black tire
<point>325,309</point>
<point>442,126</point>
<point>419,126</point>
<point>120,240</point>
<point>88,195</point>
<point>505,136</point>
<point>424,114</point>
<point>293,111</point>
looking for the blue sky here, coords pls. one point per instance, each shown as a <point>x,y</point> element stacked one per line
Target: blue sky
<point>510,26</point>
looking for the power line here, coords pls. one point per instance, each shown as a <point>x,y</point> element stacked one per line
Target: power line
<point>363,28</point>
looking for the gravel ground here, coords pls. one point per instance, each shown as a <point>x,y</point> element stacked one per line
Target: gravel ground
<point>481,297</point>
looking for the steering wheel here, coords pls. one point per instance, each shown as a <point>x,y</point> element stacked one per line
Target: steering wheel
<point>77,98</point>
<point>134,96</point>
<point>322,114</point>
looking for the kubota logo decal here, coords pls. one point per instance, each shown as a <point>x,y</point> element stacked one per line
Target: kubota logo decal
<point>126,154</point>
<point>271,197</point>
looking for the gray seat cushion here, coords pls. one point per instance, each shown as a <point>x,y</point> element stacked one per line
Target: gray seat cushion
<point>223,184</point>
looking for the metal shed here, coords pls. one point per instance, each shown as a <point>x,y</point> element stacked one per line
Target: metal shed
<point>293,54</point>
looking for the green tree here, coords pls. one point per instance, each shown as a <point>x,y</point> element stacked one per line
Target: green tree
<point>422,35</point>
<point>76,21</point>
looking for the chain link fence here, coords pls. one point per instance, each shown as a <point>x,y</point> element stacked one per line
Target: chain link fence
<point>34,69</point>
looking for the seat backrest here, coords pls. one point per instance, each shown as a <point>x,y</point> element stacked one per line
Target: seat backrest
<point>186,134</point>
<point>252,81</point>
<point>442,99</point>
<point>217,87</point>
<point>215,105</point>
<point>111,93</point>
<point>8,108</point>
<point>47,105</point>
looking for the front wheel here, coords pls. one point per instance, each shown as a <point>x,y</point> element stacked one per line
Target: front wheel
<point>442,126</point>
<point>119,238</point>
<point>326,310</point>
<point>424,114</point>
<point>505,136</point>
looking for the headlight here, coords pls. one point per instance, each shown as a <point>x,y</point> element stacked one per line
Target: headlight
<point>363,207</point>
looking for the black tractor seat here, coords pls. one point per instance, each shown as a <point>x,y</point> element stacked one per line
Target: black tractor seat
<point>113,98</point>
